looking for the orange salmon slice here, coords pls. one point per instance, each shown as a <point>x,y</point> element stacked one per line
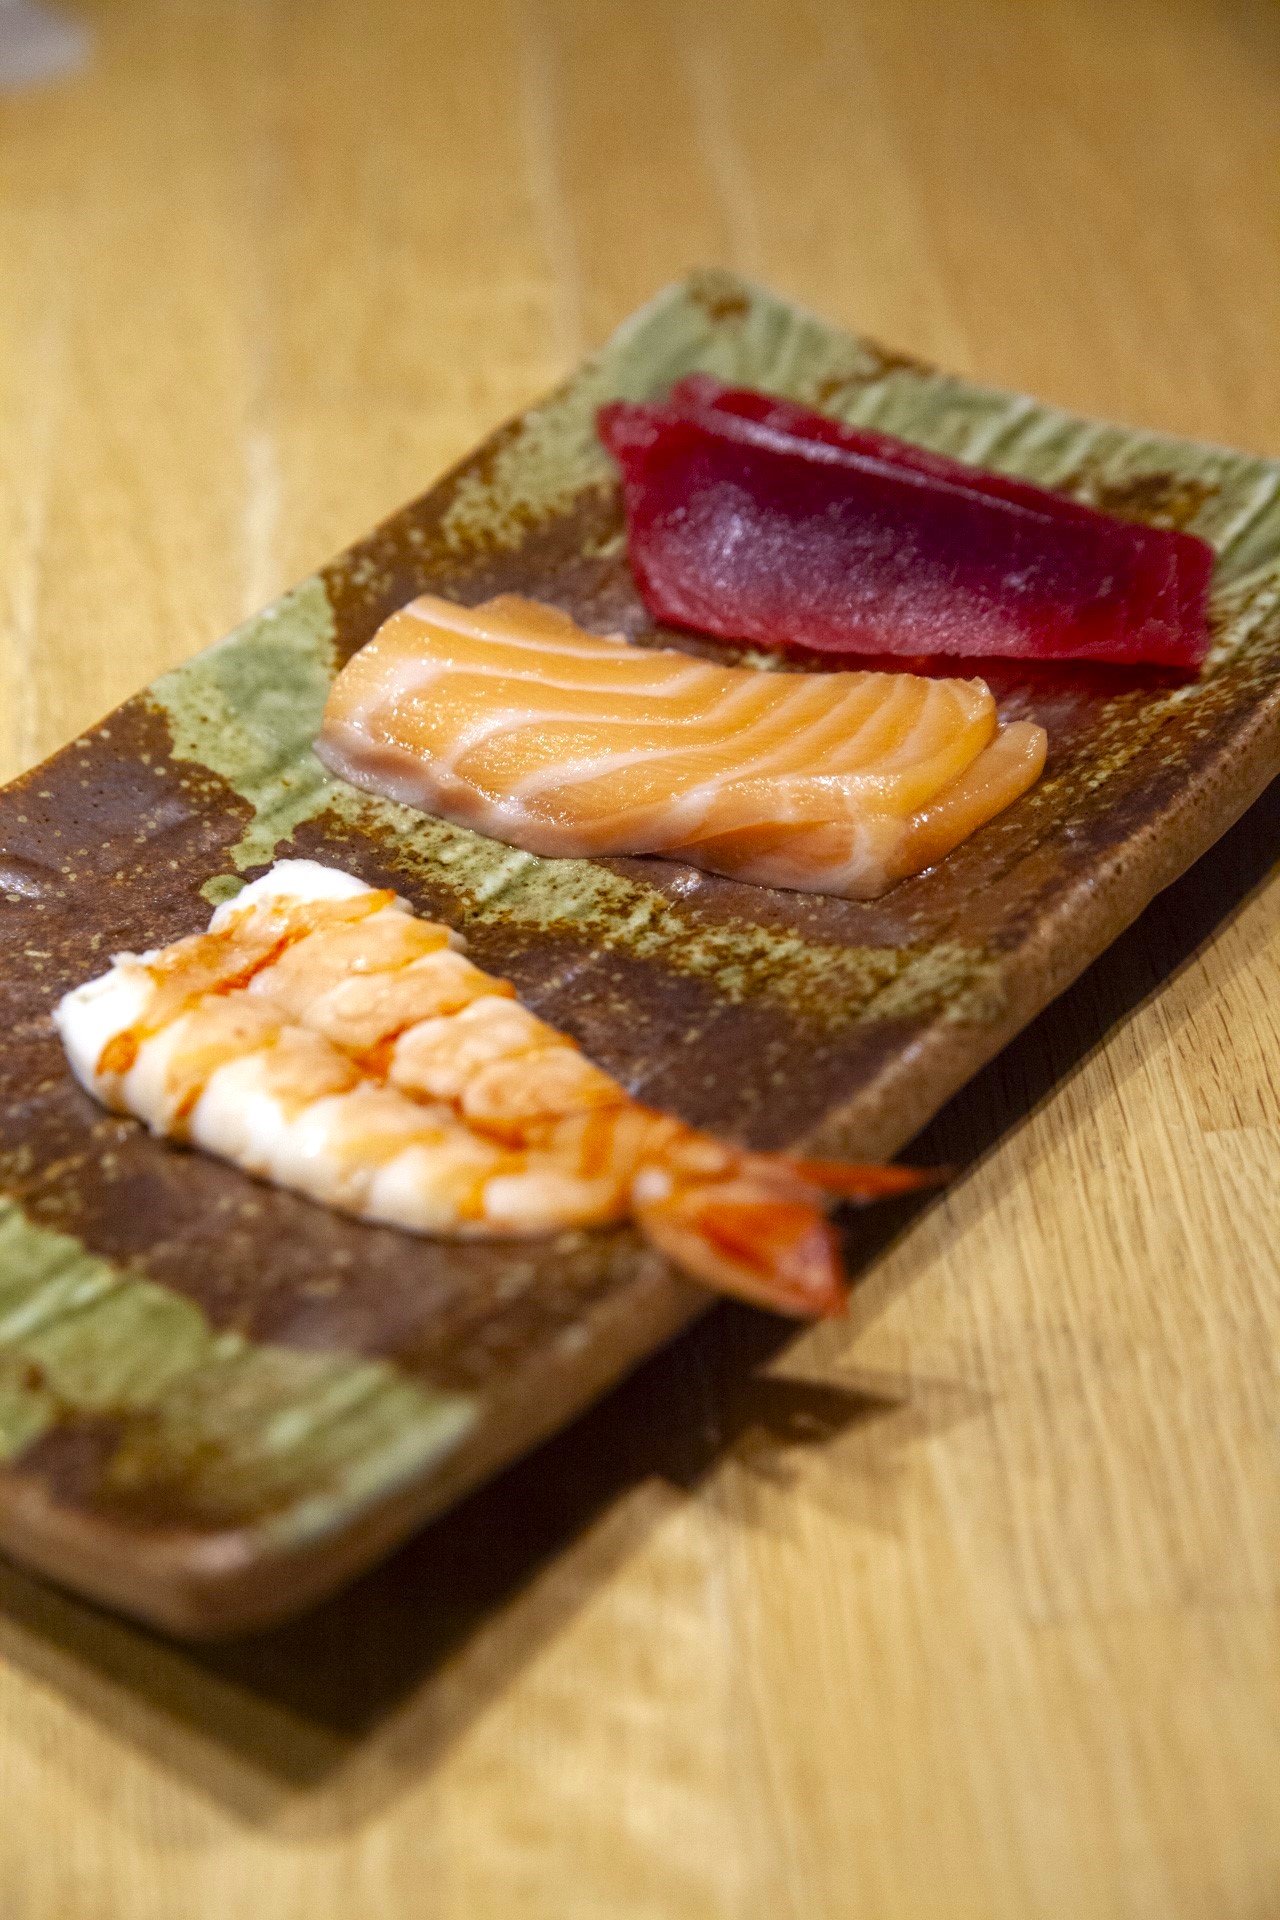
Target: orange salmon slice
<point>511,719</point>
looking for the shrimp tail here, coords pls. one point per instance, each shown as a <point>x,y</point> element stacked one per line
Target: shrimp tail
<point>757,1227</point>
<point>861,1183</point>
<point>744,1238</point>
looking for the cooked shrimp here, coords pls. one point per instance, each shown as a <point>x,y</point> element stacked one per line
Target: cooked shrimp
<point>321,1036</point>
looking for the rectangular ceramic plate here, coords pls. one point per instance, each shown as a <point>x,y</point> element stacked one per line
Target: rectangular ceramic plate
<point>218,1401</point>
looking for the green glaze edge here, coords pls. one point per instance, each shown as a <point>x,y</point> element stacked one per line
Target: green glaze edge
<point>226,1432</point>
<point>248,708</point>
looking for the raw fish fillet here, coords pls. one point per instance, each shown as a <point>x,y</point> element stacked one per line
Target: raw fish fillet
<point>755,519</point>
<point>806,423</point>
<point>511,719</point>
<point>322,1037</point>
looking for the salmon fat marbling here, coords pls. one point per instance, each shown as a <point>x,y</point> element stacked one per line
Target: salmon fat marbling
<point>511,719</point>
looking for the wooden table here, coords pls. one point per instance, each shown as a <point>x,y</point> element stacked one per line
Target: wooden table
<point>964,1607</point>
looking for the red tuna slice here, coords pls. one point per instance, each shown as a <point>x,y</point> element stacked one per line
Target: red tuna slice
<point>804,423</point>
<point>751,532</point>
<point>742,527</point>
<point>1163,576</point>
<point>1195,557</point>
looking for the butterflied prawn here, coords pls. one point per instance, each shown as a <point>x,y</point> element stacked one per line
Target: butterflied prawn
<point>322,1037</point>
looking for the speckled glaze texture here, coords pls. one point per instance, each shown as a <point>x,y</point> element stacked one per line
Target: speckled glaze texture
<point>216,1400</point>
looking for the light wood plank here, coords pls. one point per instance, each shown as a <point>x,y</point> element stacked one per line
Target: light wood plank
<point>967,1606</point>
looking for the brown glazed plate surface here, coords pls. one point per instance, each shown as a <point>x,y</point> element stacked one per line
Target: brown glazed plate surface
<point>218,1401</point>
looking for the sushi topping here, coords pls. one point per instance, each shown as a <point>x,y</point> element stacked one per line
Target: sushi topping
<point>320,1036</point>
<point>510,719</point>
<point>754,519</point>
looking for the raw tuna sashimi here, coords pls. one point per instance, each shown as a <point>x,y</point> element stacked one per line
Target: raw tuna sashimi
<point>755,519</point>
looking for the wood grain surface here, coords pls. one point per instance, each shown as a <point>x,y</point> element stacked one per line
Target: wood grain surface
<point>967,1606</point>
